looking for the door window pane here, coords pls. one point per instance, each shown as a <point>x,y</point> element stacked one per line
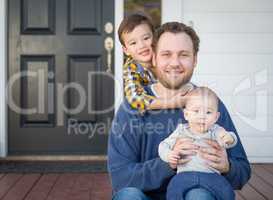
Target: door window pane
<point>150,7</point>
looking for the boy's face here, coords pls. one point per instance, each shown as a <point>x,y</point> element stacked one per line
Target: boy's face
<point>201,113</point>
<point>138,43</point>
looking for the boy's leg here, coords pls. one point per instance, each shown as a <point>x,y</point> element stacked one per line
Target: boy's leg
<point>130,193</point>
<point>180,184</point>
<point>217,185</point>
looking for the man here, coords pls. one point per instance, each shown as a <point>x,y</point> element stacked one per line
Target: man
<point>135,169</point>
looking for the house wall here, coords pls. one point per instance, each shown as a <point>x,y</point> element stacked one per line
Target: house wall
<point>235,60</point>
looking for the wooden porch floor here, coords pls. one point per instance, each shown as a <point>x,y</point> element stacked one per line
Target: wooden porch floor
<point>96,186</point>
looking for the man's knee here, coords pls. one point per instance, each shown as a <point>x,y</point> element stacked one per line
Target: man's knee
<point>130,193</point>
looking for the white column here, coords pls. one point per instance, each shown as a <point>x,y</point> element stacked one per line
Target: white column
<point>3,65</point>
<point>119,13</point>
<point>172,10</point>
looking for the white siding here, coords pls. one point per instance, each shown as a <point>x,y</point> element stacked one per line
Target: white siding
<point>236,60</point>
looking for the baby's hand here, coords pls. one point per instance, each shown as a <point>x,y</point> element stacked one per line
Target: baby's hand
<point>173,159</point>
<point>225,138</point>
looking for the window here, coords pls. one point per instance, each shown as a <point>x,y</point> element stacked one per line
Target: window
<point>149,7</point>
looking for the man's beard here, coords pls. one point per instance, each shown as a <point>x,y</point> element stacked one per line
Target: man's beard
<point>173,84</point>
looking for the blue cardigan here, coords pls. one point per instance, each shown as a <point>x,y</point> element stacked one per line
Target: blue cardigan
<point>133,141</point>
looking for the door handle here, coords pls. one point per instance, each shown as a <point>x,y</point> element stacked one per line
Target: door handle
<point>109,45</point>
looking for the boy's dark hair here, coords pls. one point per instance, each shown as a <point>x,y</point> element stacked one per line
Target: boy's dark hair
<point>130,22</point>
<point>177,27</point>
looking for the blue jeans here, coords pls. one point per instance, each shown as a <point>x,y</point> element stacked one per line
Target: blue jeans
<point>199,194</point>
<point>131,193</point>
<point>214,183</point>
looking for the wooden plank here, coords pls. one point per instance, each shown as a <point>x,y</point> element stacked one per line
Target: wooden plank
<point>22,187</point>
<point>62,187</point>
<point>82,188</point>
<point>43,187</point>
<point>260,171</point>
<point>239,196</point>
<point>250,193</point>
<point>7,182</point>
<point>1,176</point>
<point>102,187</point>
<point>268,167</point>
<point>264,188</point>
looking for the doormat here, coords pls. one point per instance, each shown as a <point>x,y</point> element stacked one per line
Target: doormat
<point>52,167</point>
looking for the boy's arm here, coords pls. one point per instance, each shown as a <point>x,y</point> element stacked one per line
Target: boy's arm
<point>139,99</point>
<point>240,170</point>
<point>124,163</point>
<point>134,91</point>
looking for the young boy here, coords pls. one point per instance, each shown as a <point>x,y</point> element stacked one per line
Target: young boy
<point>201,112</point>
<point>136,36</point>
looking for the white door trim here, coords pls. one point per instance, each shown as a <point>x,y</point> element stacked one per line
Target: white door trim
<point>119,10</point>
<point>3,78</point>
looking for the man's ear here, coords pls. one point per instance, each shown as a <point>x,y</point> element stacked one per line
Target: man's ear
<point>125,50</point>
<point>195,61</point>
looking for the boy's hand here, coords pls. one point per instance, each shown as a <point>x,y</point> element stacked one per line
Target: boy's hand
<point>225,138</point>
<point>178,101</point>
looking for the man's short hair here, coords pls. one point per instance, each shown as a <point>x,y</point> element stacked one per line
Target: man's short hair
<point>177,27</point>
<point>130,22</point>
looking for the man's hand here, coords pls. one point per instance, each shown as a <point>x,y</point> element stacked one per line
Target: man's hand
<point>216,156</point>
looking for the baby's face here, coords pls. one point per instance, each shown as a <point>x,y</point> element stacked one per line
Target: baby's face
<point>201,113</point>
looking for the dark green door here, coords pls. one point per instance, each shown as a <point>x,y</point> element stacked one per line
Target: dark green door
<point>60,100</point>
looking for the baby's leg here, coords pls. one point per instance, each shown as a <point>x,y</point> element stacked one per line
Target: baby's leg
<point>180,184</point>
<point>217,185</point>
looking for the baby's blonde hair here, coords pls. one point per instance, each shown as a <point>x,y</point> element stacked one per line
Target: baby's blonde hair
<point>204,92</point>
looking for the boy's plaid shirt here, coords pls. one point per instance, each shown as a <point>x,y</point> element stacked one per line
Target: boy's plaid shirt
<point>135,78</point>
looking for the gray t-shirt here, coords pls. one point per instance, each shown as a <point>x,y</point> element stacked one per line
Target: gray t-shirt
<point>196,163</point>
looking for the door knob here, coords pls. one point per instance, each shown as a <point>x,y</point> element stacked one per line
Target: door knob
<point>109,45</point>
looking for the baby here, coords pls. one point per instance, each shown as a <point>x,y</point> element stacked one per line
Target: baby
<point>201,112</point>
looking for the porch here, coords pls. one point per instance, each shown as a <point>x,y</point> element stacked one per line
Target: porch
<point>96,186</point>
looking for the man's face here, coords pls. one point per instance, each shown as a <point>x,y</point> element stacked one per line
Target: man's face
<point>174,59</point>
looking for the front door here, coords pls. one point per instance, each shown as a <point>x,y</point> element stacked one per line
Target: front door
<point>61,91</point>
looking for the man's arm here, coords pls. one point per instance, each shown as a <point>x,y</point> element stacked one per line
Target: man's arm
<point>239,167</point>
<point>124,156</point>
